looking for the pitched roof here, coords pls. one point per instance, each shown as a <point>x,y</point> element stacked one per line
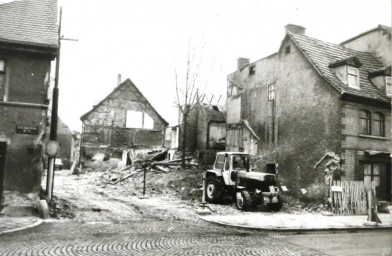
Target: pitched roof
<point>127,83</point>
<point>379,27</point>
<point>322,54</point>
<point>32,22</point>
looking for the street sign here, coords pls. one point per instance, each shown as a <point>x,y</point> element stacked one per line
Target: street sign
<point>52,147</point>
<point>32,130</point>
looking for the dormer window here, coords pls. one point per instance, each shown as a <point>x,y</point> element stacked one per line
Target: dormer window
<point>382,79</point>
<point>352,77</point>
<point>388,85</point>
<point>347,70</point>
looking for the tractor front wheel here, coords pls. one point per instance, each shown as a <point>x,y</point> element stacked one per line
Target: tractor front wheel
<point>213,190</point>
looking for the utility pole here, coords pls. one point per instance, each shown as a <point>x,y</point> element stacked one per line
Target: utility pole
<point>54,117</point>
<point>53,122</point>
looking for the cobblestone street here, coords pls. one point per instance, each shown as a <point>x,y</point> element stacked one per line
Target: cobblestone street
<point>146,237</point>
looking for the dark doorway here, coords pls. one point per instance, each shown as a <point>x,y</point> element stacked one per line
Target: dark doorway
<point>3,150</point>
<point>271,168</point>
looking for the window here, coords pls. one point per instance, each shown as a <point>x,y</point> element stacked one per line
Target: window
<point>364,118</point>
<point>220,161</point>
<point>388,85</point>
<point>287,49</point>
<point>252,70</point>
<point>2,79</point>
<point>227,165</point>
<point>134,119</point>
<point>271,92</point>
<point>353,77</point>
<point>378,124</point>
<point>371,172</point>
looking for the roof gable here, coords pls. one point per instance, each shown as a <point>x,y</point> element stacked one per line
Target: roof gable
<point>382,28</point>
<point>321,54</point>
<point>126,85</point>
<point>32,22</point>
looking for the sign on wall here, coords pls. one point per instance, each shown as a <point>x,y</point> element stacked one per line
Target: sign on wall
<point>33,130</point>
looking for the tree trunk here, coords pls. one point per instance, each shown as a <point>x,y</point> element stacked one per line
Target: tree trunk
<point>183,141</point>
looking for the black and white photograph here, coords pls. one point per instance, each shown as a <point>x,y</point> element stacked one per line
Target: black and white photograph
<point>195,127</point>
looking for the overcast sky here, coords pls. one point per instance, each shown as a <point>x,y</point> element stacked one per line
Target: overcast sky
<point>143,41</point>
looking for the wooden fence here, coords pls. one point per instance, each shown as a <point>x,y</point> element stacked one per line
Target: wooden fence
<point>350,197</point>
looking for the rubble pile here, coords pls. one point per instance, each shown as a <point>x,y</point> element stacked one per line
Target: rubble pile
<point>60,208</point>
<point>162,177</point>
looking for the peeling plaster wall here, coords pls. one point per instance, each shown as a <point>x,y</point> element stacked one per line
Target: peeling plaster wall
<point>26,74</point>
<point>300,126</point>
<point>377,42</point>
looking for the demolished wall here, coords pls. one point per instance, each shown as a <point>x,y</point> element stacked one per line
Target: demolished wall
<point>105,126</point>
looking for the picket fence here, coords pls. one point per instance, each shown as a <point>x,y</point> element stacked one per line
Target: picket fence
<point>353,197</point>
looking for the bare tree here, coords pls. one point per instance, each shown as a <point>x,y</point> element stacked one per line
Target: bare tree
<point>188,90</point>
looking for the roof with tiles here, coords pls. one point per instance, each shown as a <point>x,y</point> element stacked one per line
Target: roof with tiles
<point>322,54</point>
<point>32,22</point>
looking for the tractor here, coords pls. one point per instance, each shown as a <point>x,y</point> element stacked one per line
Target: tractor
<point>231,175</point>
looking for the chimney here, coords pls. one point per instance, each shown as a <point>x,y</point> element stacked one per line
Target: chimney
<point>118,79</point>
<point>242,62</point>
<point>295,29</point>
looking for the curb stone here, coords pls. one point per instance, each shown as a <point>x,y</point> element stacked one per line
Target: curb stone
<point>37,222</point>
<point>299,229</point>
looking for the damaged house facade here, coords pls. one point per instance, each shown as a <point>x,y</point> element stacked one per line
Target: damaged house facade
<point>313,100</point>
<point>124,119</point>
<point>205,134</point>
<point>28,45</point>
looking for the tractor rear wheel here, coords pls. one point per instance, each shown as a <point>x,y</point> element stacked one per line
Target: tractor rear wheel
<point>244,201</point>
<point>213,190</point>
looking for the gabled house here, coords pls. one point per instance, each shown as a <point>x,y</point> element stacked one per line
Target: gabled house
<point>28,44</point>
<point>309,100</point>
<point>122,120</point>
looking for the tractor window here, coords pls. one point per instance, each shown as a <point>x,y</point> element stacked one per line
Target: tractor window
<point>220,161</point>
<point>239,162</point>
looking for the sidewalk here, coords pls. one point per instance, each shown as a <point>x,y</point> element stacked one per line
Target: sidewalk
<point>296,222</point>
<point>13,224</point>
